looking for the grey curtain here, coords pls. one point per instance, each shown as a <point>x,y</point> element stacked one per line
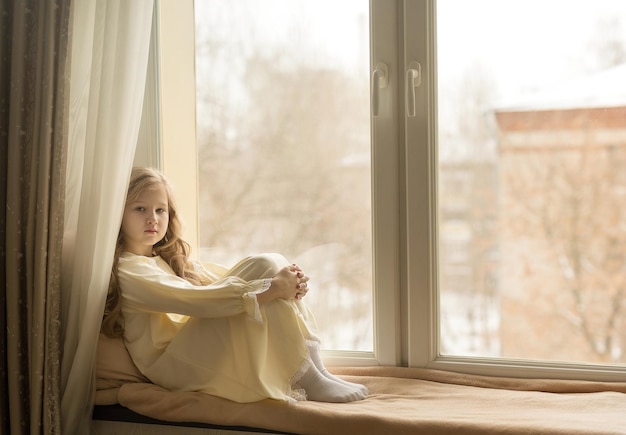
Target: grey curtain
<point>33,129</point>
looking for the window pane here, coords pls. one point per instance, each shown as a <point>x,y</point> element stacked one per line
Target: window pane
<point>283,124</point>
<point>532,187</point>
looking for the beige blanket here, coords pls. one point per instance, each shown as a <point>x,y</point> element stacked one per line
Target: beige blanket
<point>410,401</point>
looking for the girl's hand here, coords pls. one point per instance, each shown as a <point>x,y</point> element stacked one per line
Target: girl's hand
<point>289,283</point>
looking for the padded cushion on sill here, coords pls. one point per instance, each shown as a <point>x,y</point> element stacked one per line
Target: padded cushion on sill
<point>402,400</point>
<point>415,401</point>
<point>114,366</point>
<point>106,397</point>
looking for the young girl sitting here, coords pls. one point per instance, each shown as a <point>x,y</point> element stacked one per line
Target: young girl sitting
<point>243,334</point>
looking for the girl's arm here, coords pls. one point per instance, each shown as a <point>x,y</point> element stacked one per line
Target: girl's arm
<point>148,285</point>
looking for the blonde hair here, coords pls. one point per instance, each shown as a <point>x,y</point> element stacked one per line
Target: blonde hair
<point>172,248</point>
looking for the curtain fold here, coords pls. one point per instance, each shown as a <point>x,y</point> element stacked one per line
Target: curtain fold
<point>33,128</point>
<point>110,46</point>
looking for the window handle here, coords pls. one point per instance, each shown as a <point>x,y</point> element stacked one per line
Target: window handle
<point>380,79</point>
<point>413,80</point>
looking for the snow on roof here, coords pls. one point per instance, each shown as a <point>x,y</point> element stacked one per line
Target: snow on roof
<point>604,89</point>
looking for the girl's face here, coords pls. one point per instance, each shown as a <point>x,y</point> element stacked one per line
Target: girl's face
<point>145,221</point>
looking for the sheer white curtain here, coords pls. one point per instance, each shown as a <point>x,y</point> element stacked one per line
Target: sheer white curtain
<point>110,46</point>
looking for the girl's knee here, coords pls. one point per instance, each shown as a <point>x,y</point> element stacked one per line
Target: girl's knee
<point>259,266</point>
<point>270,263</point>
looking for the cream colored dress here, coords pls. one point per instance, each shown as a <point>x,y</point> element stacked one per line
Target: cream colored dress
<point>216,338</point>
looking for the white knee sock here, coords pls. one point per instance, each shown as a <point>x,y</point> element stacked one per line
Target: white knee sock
<point>319,388</point>
<point>316,357</point>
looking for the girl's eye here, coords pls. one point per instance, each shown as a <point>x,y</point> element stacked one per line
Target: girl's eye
<point>140,208</point>
<point>161,210</point>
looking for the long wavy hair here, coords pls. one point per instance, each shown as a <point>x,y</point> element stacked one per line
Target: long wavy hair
<point>172,248</point>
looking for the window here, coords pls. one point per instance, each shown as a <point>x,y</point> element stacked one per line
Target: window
<point>176,113</point>
<point>284,148</point>
<point>453,170</point>
<point>531,133</point>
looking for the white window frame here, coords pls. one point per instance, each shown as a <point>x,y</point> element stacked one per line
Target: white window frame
<point>420,226</point>
<point>174,51</point>
<point>404,188</point>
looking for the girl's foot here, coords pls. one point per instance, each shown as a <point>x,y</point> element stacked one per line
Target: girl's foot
<point>319,388</point>
<point>316,357</point>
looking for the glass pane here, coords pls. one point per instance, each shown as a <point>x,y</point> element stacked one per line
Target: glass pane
<point>283,124</point>
<point>532,186</point>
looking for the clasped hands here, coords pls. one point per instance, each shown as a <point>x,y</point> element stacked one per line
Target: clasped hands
<point>301,281</point>
<point>290,282</point>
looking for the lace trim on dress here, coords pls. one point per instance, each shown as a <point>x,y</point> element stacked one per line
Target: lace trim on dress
<point>297,393</point>
<point>267,282</point>
<point>295,390</point>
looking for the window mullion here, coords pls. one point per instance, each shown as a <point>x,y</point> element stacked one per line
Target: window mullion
<point>177,95</point>
<point>419,182</point>
<point>385,198</point>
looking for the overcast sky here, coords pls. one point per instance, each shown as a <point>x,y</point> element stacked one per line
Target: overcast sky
<point>524,44</point>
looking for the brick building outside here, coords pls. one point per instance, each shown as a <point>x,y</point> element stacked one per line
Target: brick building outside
<point>562,222</point>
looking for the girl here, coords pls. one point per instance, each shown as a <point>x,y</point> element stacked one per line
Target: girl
<point>242,334</point>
